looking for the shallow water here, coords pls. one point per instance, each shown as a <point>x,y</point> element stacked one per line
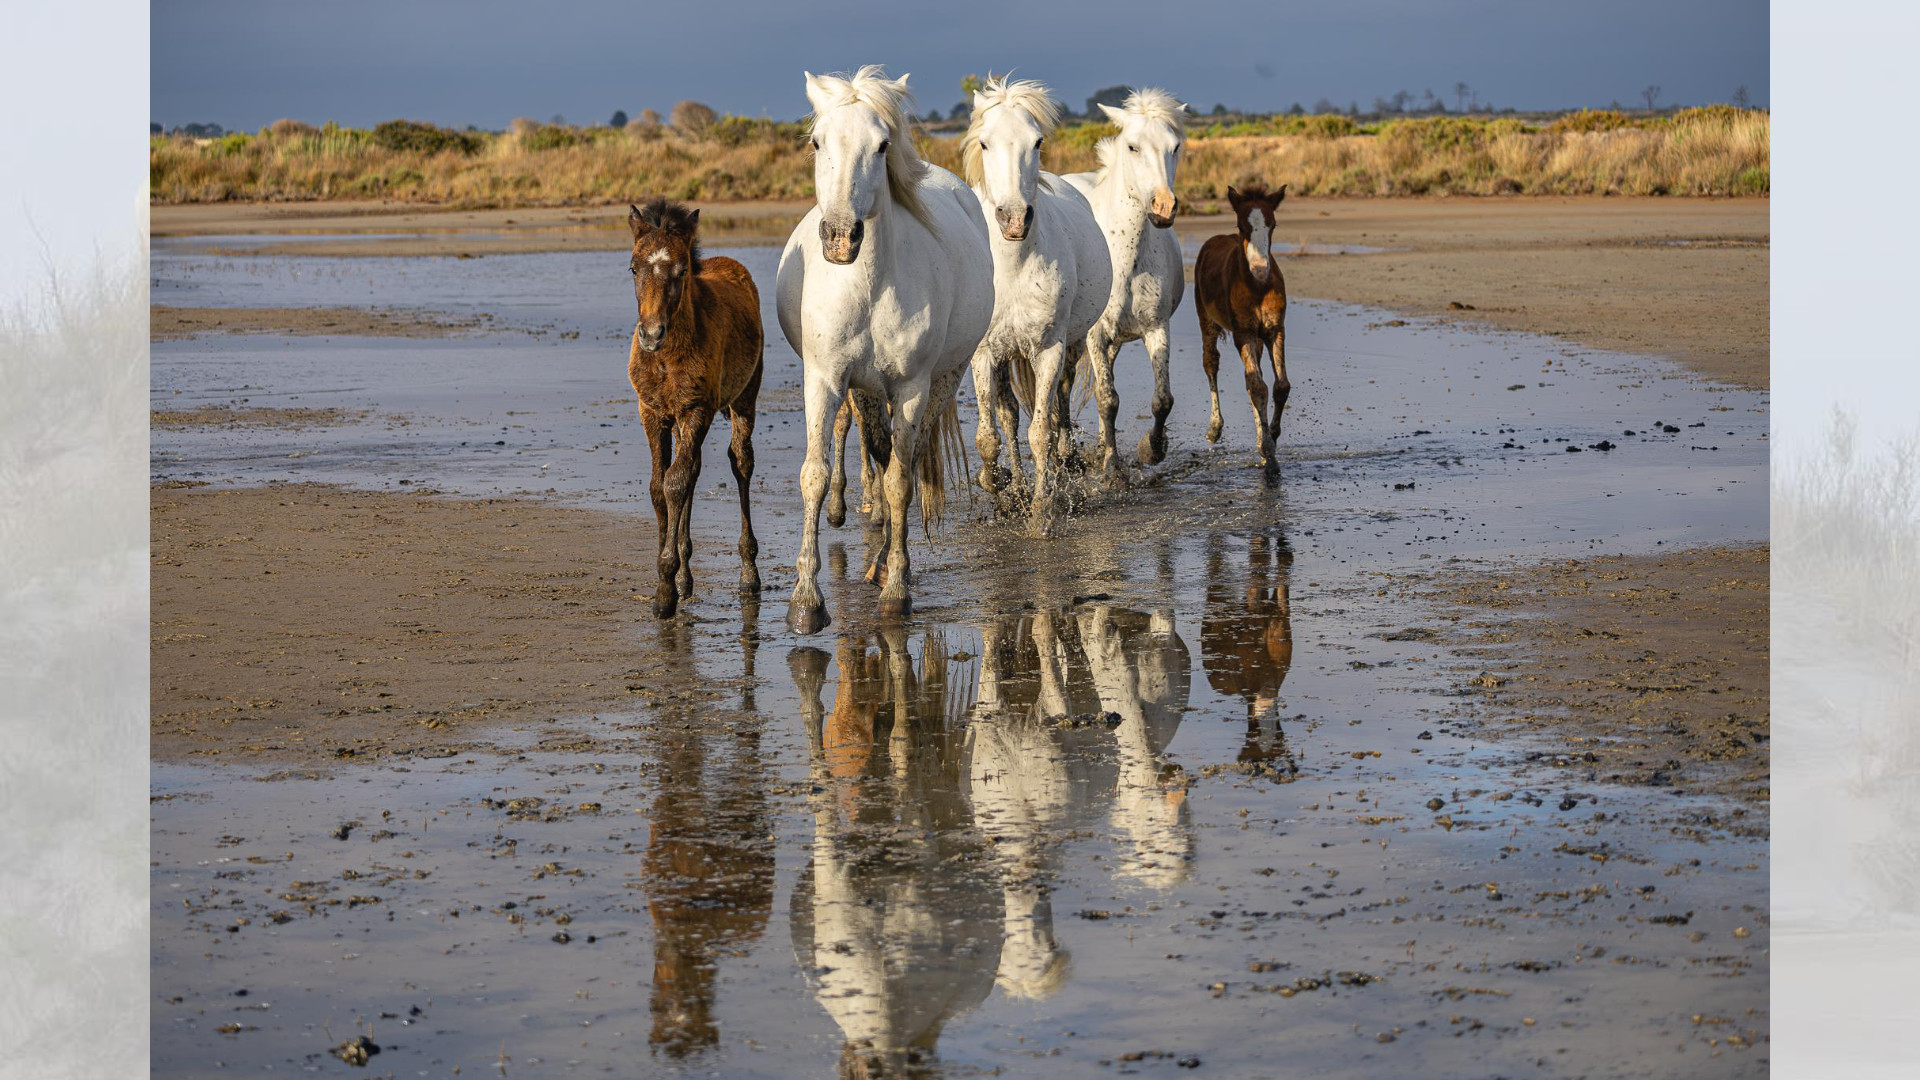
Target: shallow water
<point>1136,790</point>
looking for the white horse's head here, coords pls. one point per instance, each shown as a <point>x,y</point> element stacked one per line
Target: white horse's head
<point>1001,152</point>
<point>1146,153</point>
<point>863,155</point>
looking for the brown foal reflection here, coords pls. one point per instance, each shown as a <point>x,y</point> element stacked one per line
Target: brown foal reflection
<point>1246,641</point>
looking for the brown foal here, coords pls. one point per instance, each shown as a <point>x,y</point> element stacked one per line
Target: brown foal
<point>1238,289</point>
<point>696,350</point>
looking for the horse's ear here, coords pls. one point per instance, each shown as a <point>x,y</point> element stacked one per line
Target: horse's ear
<point>900,83</point>
<point>1234,197</point>
<point>1114,116</point>
<point>693,221</point>
<point>1280,196</point>
<point>979,102</point>
<point>814,95</point>
<point>635,222</point>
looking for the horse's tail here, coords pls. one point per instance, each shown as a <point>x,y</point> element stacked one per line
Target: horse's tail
<point>941,453</point>
<point>1023,380</point>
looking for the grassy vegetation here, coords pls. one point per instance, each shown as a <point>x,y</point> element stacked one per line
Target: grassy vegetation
<point>1719,150</point>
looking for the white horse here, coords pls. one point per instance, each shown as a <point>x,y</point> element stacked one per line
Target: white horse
<point>1132,190</point>
<point>1051,278</point>
<point>885,288</point>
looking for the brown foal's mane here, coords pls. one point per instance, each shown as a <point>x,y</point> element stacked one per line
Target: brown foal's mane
<point>675,219</point>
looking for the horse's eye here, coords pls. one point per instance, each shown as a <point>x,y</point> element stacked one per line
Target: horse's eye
<point>884,143</point>
<point>1037,143</point>
<point>1133,149</point>
<point>983,144</point>
<point>634,270</point>
<point>816,143</point>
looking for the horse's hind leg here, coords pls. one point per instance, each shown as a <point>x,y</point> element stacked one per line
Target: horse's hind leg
<point>1281,390</point>
<point>1210,363</point>
<point>1007,407</point>
<point>907,416</point>
<point>1153,445</point>
<point>837,488</point>
<point>1042,432</point>
<point>740,456</point>
<point>1101,355</point>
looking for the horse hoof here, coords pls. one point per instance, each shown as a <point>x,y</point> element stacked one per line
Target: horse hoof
<point>896,607</point>
<point>1213,431</point>
<point>665,605</point>
<point>1040,528</point>
<point>836,514</point>
<point>750,583</point>
<point>1152,451</point>
<point>807,618</point>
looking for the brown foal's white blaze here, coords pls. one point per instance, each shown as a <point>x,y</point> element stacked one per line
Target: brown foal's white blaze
<point>1258,242</point>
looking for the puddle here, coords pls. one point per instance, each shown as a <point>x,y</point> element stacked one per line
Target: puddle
<point>1158,791</point>
<point>1062,837</point>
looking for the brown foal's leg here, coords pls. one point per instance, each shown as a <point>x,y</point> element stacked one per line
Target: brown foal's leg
<point>1257,393</point>
<point>660,440</point>
<point>740,455</point>
<point>683,478</point>
<point>1281,389</point>
<point>1210,363</point>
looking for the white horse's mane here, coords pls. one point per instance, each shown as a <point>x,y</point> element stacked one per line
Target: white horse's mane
<point>1027,95</point>
<point>870,86</point>
<point>1153,104</point>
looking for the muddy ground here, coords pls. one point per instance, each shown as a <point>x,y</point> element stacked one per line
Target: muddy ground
<point>1653,669</point>
<point>1682,278</point>
<point>171,323</point>
<point>308,622</point>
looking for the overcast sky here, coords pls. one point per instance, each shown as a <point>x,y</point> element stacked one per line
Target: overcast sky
<point>244,64</point>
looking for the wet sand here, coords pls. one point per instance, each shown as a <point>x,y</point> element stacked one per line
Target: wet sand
<point>308,622</point>
<point>1682,278</point>
<point>227,416</point>
<point>172,323</point>
<point>1651,669</point>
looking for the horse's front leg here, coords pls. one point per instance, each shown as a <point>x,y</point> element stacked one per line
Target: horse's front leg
<point>1042,433</point>
<point>837,490</point>
<point>986,435</point>
<point>807,612</point>
<point>683,480</point>
<point>666,550</point>
<point>895,601</point>
<point>1257,394</point>
<point>1153,445</point>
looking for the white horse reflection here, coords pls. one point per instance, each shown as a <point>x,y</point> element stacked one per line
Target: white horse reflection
<point>894,917</point>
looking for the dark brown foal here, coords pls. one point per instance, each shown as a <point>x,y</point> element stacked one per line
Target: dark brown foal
<point>1238,289</point>
<point>696,351</point>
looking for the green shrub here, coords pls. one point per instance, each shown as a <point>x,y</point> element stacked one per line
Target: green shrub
<point>411,136</point>
<point>1591,120</point>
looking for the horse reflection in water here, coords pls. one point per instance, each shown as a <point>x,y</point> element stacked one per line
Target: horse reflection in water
<point>930,798</point>
<point>1246,642</point>
<point>709,862</point>
<point>894,917</point>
